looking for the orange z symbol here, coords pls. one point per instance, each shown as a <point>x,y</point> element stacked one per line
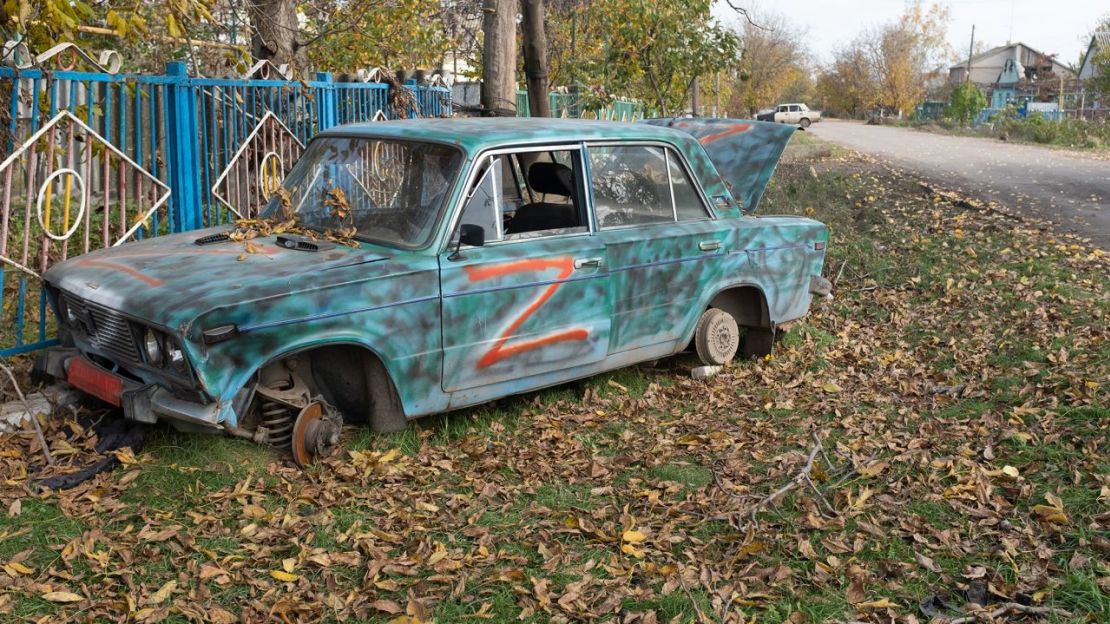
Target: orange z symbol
<point>499,351</point>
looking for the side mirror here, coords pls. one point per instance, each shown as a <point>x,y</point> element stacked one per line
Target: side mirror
<point>471,234</point>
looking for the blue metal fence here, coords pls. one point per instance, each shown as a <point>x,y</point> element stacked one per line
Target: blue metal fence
<point>184,130</point>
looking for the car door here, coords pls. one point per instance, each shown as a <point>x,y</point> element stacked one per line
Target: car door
<point>660,239</point>
<point>533,299</point>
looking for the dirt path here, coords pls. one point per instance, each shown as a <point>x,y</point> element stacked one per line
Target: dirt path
<point>1066,188</point>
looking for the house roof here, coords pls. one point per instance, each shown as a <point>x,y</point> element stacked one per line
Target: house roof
<point>997,49</point>
<point>1098,40</point>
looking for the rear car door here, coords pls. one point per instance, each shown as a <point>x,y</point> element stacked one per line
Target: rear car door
<point>663,246</point>
<point>534,298</point>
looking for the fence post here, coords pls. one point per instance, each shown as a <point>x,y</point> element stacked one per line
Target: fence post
<point>183,154</point>
<point>328,114</point>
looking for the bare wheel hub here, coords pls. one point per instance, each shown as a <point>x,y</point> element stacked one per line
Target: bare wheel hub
<point>315,434</point>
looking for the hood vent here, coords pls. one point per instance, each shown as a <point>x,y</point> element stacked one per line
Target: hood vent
<point>302,243</point>
<point>212,239</point>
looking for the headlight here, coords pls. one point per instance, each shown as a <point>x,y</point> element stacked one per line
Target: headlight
<point>152,344</point>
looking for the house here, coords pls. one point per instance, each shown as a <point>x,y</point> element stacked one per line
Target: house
<point>987,67</point>
<point>1099,41</point>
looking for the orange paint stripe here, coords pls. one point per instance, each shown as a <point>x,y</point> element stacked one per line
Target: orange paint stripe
<point>477,274</point>
<point>494,356</point>
<point>123,268</point>
<point>733,129</point>
<point>499,351</point>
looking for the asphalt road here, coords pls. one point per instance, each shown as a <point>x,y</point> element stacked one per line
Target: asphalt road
<point>1068,188</point>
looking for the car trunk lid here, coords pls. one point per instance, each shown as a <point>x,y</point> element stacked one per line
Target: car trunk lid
<point>744,152</point>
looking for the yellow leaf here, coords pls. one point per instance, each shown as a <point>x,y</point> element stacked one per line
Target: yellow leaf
<point>391,455</point>
<point>283,576</point>
<point>19,568</point>
<point>629,549</point>
<point>288,564</point>
<point>633,537</point>
<point>62,596</point>
<point>831,388</point>
<point>163,593</point>
<point>1011,472</point>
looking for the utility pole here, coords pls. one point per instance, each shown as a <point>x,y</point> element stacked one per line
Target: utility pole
<point>694,98</point>
<point>535,57</point>
<point>970,51</point>
<point>499,58</point>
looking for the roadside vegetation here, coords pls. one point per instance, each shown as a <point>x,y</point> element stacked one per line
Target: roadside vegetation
<point>953,398</point>
<point>1070,133</point>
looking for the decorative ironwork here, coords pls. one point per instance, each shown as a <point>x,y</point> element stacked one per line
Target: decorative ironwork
<point>88,186</point>
<point>258,167</point>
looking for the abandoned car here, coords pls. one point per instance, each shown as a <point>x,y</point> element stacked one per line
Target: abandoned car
<point>408,268</point>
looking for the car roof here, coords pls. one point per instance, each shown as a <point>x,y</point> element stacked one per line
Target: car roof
<point>477,133</point>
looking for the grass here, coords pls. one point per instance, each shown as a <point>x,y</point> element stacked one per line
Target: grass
<point>485,510</point>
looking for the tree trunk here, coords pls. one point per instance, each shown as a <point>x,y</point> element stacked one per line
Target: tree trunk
<point>275,33</point>
<point>499,58</point>
<point>535,57</point>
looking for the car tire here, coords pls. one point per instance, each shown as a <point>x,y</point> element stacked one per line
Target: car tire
<point>386,413</point>
<point>717,337</point>
<point>804,123</point>
<point>758,342</point>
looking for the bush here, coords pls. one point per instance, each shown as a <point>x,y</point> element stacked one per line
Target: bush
<point>1069,132</point>
<point>965,102</point>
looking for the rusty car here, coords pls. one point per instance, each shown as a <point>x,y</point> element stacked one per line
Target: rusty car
<point>408,268</point>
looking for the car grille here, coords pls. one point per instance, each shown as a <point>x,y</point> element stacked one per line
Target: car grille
<point>106,330</point>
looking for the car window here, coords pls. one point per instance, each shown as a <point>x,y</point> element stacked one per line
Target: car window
<point>483,205</point>
<point>630,185</point>
<point>537,194</point>
<point>687,199</point>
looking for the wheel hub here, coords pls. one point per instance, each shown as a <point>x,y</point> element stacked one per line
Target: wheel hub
<point>315,434</point>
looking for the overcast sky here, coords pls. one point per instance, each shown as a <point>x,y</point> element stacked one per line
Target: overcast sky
<point>1051,26</point>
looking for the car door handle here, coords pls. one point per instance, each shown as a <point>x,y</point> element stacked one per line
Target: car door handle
<point>709,245</point>
<point>582,263</point>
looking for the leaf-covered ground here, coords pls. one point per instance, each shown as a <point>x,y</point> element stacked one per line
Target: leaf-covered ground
<point>959,383</point>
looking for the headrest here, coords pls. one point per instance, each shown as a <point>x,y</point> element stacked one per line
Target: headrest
<point>551,178</point>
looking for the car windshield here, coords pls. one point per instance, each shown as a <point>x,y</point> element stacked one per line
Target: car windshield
<point>373,190</point>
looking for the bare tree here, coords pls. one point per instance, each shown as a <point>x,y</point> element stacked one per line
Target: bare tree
<point>499,58</point>
<point>535,57</point>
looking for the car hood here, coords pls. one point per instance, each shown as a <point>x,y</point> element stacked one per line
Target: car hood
<point>170,280</point>
<point>744,152</point>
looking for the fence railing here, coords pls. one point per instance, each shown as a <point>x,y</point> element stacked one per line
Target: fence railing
<point>142,155</point>
<point>570,105</point>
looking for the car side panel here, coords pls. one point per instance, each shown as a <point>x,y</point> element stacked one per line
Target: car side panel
<point>392,310</point>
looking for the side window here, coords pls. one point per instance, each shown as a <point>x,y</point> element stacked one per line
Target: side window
<point>687,199</point>
<point>549,203</point>
<point>630,185</point>
<point>527,195</point>
<point>483,204</point>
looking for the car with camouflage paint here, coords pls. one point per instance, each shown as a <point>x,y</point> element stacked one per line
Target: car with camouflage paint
<point>414,267</point>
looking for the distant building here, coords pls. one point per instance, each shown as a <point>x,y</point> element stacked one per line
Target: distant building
<point>986,67</point>
<point>1016,75</point>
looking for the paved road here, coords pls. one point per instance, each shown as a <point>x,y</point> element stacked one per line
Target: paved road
<point>1070,189</point>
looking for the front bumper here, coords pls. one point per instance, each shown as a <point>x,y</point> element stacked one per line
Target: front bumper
<point>140,402</point>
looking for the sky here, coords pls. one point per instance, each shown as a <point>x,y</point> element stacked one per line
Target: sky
<point>1050,26</point>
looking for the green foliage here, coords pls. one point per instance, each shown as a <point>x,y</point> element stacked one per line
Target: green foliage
<point>403,33</point>
<point>965,102</point>
<point>646,50</point>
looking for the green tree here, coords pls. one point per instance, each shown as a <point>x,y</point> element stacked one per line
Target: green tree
<point>648,50</point>
<point>965,102</point>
